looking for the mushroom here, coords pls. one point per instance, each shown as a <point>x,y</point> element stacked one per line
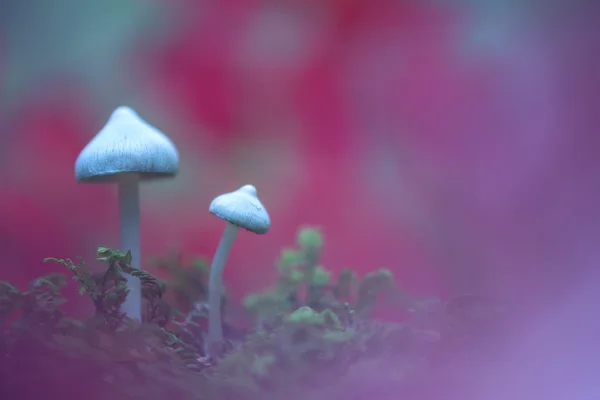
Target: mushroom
<point>241,209</point>
<point>126,151</point>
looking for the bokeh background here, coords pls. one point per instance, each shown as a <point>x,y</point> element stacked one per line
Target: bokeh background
<point>454,142</point>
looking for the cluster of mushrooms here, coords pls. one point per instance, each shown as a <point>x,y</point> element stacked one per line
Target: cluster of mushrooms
<point>128,150</point>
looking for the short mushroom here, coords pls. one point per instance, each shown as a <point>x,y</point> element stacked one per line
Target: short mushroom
<point>126,151</point>
<point>241,209</point>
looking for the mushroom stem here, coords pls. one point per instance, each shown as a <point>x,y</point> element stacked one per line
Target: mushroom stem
<point>129,210</point>
<point>215,289</point>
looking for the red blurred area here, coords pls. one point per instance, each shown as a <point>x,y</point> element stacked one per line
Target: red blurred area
<point>457,168</point>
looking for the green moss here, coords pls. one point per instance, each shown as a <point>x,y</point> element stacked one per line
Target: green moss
<point>310,329</point>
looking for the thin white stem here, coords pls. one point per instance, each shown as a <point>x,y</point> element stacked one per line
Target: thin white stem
<point>129,210</point>
<point>215,289</point>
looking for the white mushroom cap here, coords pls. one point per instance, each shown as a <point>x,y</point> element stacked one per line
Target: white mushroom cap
<point>242,208</point>
<point>127,144</point>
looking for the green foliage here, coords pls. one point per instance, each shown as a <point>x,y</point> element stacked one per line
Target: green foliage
<point>311,328</point>
<point>300,272</point>
<point>307,348</point>
<point>108,289</point>
<point>310,350</point>
<point>128,359</point>
<point>311,331</point>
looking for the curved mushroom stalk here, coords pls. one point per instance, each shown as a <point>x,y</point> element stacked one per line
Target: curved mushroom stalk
<point>241,209</point>
<point>215,284</point>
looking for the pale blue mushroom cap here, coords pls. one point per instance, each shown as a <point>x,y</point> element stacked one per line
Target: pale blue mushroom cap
<point>127,145</point>
<point>242,208</point>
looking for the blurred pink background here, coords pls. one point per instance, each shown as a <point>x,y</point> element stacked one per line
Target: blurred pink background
<point>453,142</point>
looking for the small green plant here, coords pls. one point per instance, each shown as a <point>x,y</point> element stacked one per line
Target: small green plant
<point>302,281</point>
<point>108,289</point>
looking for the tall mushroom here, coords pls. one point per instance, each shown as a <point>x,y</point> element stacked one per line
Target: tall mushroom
<point>126,151</point>
<point>241,209</point>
